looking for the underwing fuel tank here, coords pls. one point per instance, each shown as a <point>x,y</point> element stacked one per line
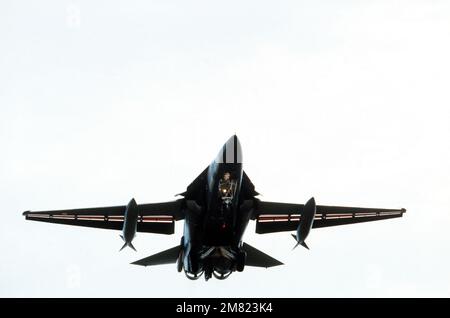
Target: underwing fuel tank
<point>306,222</point>
<point>130,224</point>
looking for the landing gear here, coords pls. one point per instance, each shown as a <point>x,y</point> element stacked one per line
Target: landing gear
<point>240,260</point>
<point>208,272</point>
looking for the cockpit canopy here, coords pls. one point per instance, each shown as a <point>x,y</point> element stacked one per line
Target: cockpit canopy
<point>227,187</point>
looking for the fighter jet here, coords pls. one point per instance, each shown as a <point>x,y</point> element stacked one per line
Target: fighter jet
<point>216,208</point>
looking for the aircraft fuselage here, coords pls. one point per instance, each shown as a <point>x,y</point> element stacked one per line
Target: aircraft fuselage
<point>216,222</point>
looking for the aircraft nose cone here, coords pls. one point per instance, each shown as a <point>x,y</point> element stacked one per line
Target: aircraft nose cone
<point>231,151</point>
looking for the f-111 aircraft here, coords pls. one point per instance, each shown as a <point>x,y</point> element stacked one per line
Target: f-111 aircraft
<point>216,208</point>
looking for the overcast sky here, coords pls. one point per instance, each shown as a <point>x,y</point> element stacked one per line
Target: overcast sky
<point>346,101</point>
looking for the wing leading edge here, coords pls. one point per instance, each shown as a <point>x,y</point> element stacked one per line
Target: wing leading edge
<point>278,217</point>
<point>158,218</point>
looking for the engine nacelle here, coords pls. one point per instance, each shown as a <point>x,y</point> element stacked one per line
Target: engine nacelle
<point>191,264</point>
<point>221,275</point>
<point>192,276</point>
<point>306,222</point>
<point>130,219</point>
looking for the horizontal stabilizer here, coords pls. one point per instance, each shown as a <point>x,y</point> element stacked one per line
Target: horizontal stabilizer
<point>258,259</point>
<point>169,256</point>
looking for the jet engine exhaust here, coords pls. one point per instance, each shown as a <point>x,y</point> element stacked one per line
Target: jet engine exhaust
<point>220,275</point>
<point>192,276</point>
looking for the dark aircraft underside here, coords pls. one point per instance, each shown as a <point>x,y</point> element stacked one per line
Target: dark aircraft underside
<point>216,208</point>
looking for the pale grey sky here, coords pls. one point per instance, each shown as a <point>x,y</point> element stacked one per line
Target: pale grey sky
<point>346,101</point>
